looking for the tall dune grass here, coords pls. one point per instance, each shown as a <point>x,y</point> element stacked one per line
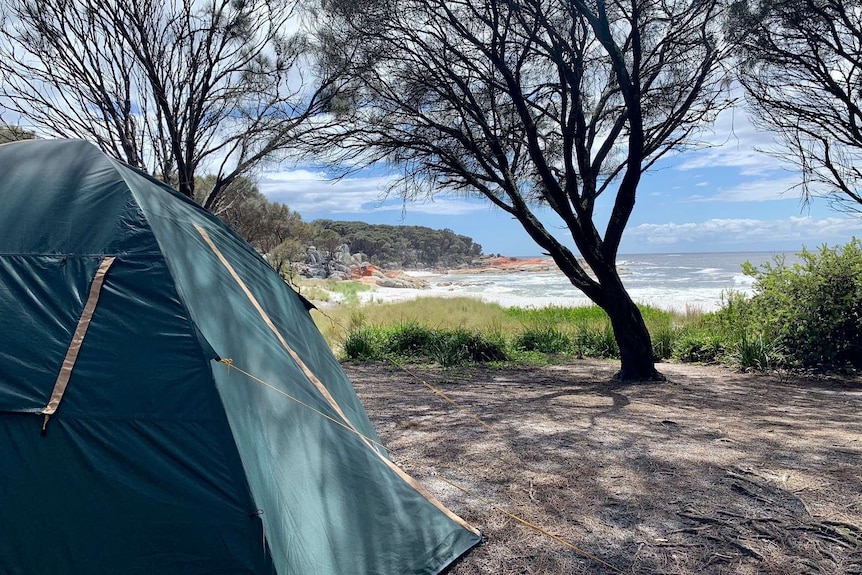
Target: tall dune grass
<point>379,330</point>
<point>802,316</point>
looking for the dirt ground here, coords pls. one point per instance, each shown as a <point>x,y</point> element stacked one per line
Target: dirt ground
<point>714,471</point>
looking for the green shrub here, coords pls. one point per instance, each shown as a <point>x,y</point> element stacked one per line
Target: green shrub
<point>364,344</point>
<point>547,339</point>
<point>412,341</point>
<point>409,339</point>
<point>597,343</point>
<point>459,346</point>
<point>663,338</point>
<point>755,353</point>
<point>812,310</point>
<point>699,347</point>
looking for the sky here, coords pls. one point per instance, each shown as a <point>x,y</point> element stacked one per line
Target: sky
<point>725,197</point>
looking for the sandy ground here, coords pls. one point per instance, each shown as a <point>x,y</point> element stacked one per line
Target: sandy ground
<point>714,471</point>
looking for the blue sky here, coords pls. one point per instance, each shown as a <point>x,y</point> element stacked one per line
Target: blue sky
<point>724,197</point>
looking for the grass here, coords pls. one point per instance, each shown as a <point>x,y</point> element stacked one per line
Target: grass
<point>473,314</point>
<point>450,331</point>
<point>328,290</point>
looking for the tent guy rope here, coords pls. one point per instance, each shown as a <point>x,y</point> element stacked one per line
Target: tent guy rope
<point>229,364</point>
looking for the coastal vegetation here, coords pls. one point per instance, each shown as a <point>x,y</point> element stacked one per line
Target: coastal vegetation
<point>799,65</point>
<point>451,331</point>
<point>808,315</point>
<point>176,89</point>
<point>545,110</point>
<point>279,232</point>
<point>404,246</point>
<point>549,111</point>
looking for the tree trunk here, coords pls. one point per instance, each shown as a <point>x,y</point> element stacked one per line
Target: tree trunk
<point>637,362</point>
<point>636,355</point>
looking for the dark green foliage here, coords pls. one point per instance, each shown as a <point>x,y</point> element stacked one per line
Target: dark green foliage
<point>460,346</point>
<point>803,315</point>
<point>597,343</point>
<point>364,344</point>
<point>414,342</point>
<point>544,339</point>
<point>554,331</point>
<point>755,353</point>
<point>410,339</point>
<point>404,246</point>
<point>663,339</point>
<point>812,310</point>
<point>698,347</point>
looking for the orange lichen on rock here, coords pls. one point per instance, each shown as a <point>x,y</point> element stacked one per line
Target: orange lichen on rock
<point>365,271</point>
<point>508,264</point>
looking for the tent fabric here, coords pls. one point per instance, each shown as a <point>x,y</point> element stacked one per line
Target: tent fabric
<point>159,458</point>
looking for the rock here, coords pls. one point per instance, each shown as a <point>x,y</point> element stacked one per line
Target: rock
<point>340,275</point>
<point>314,257</point>
<point>402,281</point>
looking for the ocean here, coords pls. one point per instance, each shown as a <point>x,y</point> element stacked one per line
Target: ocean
<point>668,281</point>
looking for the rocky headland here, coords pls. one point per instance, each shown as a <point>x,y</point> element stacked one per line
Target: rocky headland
<point>343,265</point>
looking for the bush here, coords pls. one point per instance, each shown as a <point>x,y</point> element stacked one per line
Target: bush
<point>812,310</point>
<point>755,353</point>
<point>699,347</point>
<point>459,346</point>
<point>364,344</point>
<point>597,343</point>
<point>547,339</point>
<point>410,339</point>
<point>663,339</point>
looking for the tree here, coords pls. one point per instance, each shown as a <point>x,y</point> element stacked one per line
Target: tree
<point>329,241</point>
<point>171,87</point>
<point>10,133</point>
<point>261,223</point>
<point>283,257</point>
<point>403,246</point>
<point>543,107</point>
<point>801,66</point>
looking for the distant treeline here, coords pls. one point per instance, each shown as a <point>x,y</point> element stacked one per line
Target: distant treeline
<point>404,246</point>
<point>274,229</point>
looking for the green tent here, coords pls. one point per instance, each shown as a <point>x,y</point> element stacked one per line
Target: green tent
<point>126,447</point>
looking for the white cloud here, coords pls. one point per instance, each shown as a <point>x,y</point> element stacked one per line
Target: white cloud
<point>733,143</point>
<point>446,207</point>
<point>762,190</point>
<point>306,191</point>
<point>799,229</point>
